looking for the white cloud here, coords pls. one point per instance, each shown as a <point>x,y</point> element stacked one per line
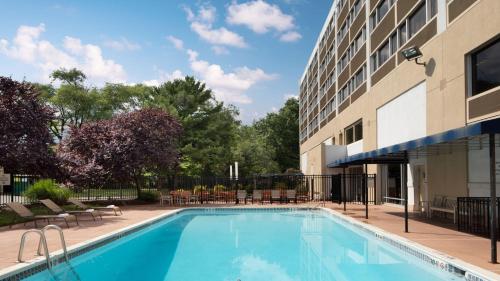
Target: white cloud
<point>164,77</point>
<point>290,96</point>
<point>219,50</point>
<point>27,47</point>
<point>122,44</point>
<point>207,13</point>
<point>259,16</point>
<point>219,36</point>
<point>290,36</point>
<point>202,24</point>
<point>229,87</point>
<point>178,43</point>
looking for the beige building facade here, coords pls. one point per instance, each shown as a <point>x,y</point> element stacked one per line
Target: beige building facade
<point>360,94</point>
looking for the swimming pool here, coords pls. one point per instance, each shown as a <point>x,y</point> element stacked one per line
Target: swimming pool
<point>251,244</point>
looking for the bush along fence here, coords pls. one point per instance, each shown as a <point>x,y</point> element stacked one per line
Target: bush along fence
<point>210,189</point>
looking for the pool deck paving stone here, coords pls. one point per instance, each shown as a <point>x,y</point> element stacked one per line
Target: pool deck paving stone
<point>439,235</point>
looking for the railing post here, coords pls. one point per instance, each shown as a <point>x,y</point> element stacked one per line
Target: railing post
<point>365,187</point>
<point>344,191</point>
<point>405,188</point>
<point>493,200</point>
<point>12,187</point>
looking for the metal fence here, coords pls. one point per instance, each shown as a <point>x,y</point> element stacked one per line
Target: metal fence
<point>351,188</point>
<point>209,189</point>
<point>473,215</point>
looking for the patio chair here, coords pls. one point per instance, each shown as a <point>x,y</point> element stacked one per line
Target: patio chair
<point>257,196</point>
<point>83,206</point>
<point>24,212</point>
<point>166,198</point>
<point>275,195</point>
<point>58,210</point>
<point>291,194</point>
<point>190,197</point>
<point>242,196</point>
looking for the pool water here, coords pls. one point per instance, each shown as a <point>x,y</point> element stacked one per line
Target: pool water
<point>247,245</point>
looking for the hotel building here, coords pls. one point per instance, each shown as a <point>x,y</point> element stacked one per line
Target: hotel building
<point>363,105</point>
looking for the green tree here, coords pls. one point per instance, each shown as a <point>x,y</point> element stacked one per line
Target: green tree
<point>209,126</point>
<point>253,153</point>
<point>281,131</point>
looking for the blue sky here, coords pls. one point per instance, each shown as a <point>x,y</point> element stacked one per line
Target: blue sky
<point>251,53</point>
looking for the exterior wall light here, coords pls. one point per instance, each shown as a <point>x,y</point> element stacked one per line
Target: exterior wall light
<point>413,53</point>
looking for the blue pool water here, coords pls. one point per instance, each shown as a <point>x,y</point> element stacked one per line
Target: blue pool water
<point>252,245</point>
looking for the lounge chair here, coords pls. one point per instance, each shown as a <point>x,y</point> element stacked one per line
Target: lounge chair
<point>58,210</point>
<point>24,212</point>
<point>257,196</point>
<point>83,206</point>
<point>275,195</point>
<point>166,198</point>
<point>192,197</point>
<point>242,196</point>
<point>291,194</point>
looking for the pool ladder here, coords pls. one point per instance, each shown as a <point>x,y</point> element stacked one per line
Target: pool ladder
<point>42,243</point>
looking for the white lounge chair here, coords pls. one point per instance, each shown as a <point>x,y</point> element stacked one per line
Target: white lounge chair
<point>242,196</point>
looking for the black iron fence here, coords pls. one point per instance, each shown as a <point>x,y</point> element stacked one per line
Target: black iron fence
<point>208,189</point>
<point>354,188</point>
<point>473,215</point>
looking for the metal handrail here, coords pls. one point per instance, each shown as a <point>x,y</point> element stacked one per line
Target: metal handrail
<point>61,236</point>
<point>43,241</point>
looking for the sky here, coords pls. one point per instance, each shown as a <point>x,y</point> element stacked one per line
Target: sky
<point>251,53</point>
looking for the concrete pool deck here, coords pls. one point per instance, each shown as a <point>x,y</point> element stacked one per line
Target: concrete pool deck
<point>440,236</point>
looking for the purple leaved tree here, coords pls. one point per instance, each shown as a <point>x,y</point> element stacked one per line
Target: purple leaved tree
<point>121,149</point>
<point>24,130</point>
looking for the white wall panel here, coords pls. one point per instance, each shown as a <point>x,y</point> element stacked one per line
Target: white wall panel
<point>403,118</point>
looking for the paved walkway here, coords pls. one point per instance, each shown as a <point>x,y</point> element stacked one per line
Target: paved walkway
<point>439,235</point>
<point>470,248</point>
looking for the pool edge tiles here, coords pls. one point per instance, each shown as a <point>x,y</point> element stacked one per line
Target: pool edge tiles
<point>435,259</point>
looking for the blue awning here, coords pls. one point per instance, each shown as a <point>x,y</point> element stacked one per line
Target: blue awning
<point>395,153</point>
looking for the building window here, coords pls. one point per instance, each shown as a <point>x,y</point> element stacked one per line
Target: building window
<point>485,68</point>
<point>354,132</point>
<point>384,53</point>
<point>358,42</point>
<point>359,77</point>
<point>432,8</point>
<point>417,20</point>
<point>393,41</point>
<point>342,31</point>
<point>380,13</point>
<point>344,93</point>
<point>403,34</point>
<point>380,56</point>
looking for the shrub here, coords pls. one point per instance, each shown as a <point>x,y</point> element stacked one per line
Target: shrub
<point>198,188</point>
<point>48,189</point>
<point>219,188</point>
<point>149,196</point>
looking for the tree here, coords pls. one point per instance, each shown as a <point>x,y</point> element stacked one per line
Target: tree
<point>24,135</point>
<point>72,76</point>
<point>281,131</point>
<point>121,149</point>
<point>253,153</point>
<point>209,126</point>
<point>73,103</point>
